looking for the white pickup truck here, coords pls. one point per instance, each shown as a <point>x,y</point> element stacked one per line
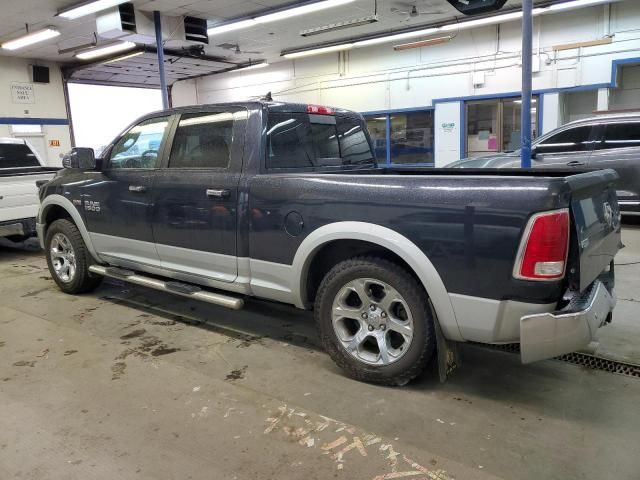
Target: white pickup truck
<point>20,169</point>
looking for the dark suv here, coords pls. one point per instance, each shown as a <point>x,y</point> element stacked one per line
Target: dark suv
<point>608,141</point>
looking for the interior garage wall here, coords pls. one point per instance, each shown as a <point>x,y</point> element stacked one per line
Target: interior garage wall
<point>378,79</point>
<point>47,107</point>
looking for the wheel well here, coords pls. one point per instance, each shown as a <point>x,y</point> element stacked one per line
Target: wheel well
<point>55,212</point>
<point>337,251</point>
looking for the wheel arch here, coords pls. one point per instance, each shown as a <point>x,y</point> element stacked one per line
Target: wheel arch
<point>390,242</point>
<point>55,207</point>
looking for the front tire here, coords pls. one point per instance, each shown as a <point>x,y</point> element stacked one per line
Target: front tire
<point>69,259</point>
<point>374,321</point>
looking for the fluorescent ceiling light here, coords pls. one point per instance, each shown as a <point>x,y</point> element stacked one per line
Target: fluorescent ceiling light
<point>273,17</point>
<point>250,67</point>
<point>124,57</point>
<point>318,51</point>
<point>332,27</point>
<point>106,50</point>
<point>423,43</point>
<point>31,38</point>
<point>574,4</point>
<point>87,8</point>
<point>399,36</point>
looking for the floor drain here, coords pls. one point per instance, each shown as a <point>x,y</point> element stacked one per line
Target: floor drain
<point>577,358</point>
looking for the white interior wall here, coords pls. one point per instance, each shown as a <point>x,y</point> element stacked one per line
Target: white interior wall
<point>378,78</point>
<point>48,103</point>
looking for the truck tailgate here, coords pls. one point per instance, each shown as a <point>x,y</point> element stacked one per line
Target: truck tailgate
<point>596,217</point>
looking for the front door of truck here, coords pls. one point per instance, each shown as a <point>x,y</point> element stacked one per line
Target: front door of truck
<point>196,194</point>
<point>117,203</point>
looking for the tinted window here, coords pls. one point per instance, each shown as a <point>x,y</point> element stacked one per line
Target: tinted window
<point>14,155</point>
<point>299,140</point>
<point>622,135</point>
<point>202,140</point>
<point>571,140</point>
<point>139,147</point>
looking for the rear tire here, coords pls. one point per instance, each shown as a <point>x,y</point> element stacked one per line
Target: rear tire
<point>385,333</point>
<point>69,259</point>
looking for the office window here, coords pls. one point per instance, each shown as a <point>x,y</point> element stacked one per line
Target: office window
<point>412,137</point>
<point>202,140</point>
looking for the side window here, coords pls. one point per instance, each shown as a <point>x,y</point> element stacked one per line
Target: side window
<point>354,146</point>
<point>16,155</point>
<point>202,140</point>
<point>139,147</point>
<point>621,135</point>
<point>572,140</point>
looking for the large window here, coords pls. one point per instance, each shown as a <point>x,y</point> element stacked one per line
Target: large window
<point>16,155</point>
<point>202,140</point>
<point>377,126</point>
<point>578,105</point>
<point>494,125</point>
<point>300,140</point>
<point>140,146</point>
<point>412,137</point>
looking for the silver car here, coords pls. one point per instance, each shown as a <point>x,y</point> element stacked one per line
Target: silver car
<point>606,141</point>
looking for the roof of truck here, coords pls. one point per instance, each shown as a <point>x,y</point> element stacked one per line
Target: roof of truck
<point>607,117</point>
<point>13,141</point>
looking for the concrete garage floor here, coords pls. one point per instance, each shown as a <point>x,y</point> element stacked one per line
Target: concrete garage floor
<point>127,383</point>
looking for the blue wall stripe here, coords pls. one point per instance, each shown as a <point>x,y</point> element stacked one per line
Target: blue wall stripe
<point>33,121</point>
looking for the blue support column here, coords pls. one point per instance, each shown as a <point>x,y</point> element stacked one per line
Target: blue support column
<point>527,53</point>
<point>388,135</point>
<point>163,79</point>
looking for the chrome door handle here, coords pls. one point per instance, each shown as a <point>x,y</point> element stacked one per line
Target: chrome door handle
<point>137,188</point>
<point>575,163</point>
<point>218,193</point>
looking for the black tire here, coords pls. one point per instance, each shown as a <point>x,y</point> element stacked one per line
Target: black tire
<point>83,280</point>
<point>420,351</point>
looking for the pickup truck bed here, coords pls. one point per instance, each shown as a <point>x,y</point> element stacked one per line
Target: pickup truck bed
<point>285,202</point>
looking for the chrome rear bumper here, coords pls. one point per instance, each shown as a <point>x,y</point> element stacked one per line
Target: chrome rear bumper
<point>547,335</point>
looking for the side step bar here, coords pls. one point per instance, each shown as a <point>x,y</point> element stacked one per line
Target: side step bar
<point>177,288</point>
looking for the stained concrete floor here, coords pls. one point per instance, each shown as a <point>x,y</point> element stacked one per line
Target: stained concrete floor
<point>127,383</point>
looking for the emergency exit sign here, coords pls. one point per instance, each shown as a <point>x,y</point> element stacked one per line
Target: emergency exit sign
<point>54,143</point>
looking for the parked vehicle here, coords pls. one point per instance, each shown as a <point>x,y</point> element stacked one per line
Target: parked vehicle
<point>20,169</point>
<point>607,141</point>
<point>285,202</point>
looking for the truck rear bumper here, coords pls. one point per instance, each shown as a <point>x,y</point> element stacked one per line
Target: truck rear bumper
<point>547,335</point>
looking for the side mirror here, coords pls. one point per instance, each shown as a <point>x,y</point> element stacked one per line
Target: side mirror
<point>81,158</point>
<point>534,154</point>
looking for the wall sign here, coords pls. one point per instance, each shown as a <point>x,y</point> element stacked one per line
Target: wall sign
<point>22,92</point>
<point>448,126</point>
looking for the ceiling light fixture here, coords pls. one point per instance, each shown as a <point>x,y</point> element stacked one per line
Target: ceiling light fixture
<point>87,8</point>
<point>275,16</point>
<point>332,27</point>
<point>105,50</point>
<point>423,43</point>
<point>479,22</point>
<point>31,38</point>
<point>124,57</point>
<point>255,66</point>
<point>318,51</point>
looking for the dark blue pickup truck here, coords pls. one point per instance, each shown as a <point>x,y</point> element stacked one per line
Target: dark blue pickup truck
<point>286,202</point>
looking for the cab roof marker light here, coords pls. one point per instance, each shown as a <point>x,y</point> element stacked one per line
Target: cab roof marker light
<point>275,16</point>
<point>87,8</point>
<point>31,38</point>
<point>319,110</point>
<point>105,50</point>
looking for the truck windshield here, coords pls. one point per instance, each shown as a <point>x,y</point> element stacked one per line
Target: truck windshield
<point>304,141</point>
<point>17,155</point>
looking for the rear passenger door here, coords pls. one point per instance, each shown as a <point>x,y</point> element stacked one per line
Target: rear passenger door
<point>568,148</point>
<point>196,194</point>
<point>619,148</point>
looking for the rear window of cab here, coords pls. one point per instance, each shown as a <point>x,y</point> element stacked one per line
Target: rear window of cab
<point>310,141</point>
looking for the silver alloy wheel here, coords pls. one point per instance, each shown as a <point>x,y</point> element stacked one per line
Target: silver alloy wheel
<point>63,257</point>
<point>372,321</point>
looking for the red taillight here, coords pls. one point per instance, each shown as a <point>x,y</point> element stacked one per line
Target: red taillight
<point>319,110</point>
<point>543,252</point>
